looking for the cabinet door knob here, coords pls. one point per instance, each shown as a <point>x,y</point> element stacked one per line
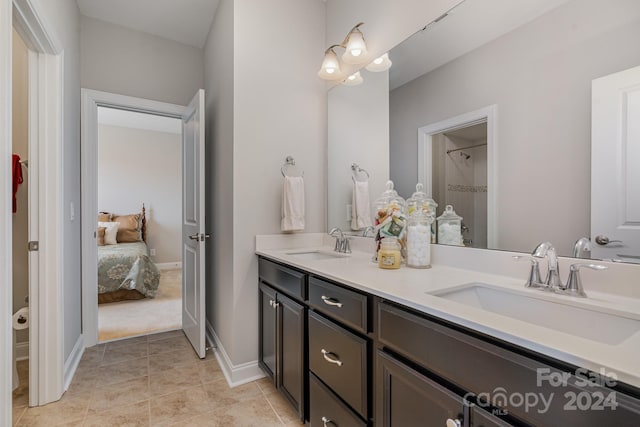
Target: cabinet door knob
<point>331,301</point>
<point>326,421</point>
<point>330,357</point>
<point>453,423</point>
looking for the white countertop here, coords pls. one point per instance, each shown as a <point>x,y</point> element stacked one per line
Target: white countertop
<point>411,287</point>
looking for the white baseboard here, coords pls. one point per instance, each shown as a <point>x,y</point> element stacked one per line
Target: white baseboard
<point>71,364</point>
<point>169,265</point>
<point>234,374</point>
<point>22,351</point>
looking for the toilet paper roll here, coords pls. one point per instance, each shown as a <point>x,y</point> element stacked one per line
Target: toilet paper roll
<point>21,319</point>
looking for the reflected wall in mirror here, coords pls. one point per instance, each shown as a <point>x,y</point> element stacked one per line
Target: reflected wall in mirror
<point>535,61</point>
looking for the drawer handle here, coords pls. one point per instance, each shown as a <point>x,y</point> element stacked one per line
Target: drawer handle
<point>326,421</point>
<point>330,357</point>
<point>331,301</point>
<point>453,423</point>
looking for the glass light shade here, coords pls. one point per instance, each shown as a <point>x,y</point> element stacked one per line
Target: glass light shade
<point>353,80</point>
<point>356,50</point>
<point>382,63</point>
<point>330,69</point>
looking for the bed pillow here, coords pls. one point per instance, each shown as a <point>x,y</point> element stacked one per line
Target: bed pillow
<point>110,232</point>
<point>104,217</point>
<point>100,235</point>
<point>129,229</point>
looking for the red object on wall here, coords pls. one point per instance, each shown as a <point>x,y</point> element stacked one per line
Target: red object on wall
<point>17,178</point>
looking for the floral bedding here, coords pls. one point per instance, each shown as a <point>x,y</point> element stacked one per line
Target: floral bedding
<point>127,266</point>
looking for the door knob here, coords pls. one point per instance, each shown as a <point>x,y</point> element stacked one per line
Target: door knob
<point>604,240</point>
<point>195,237</point>
<point>199,237</point>
<point>453,423</point>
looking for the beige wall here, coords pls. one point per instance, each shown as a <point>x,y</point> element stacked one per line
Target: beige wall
<point>20,129</point>
<point>119,60</point>
<point>136,166</point>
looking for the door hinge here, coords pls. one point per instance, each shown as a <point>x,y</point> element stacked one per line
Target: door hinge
<point>34,246</point>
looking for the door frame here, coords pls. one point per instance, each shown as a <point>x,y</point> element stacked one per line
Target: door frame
<point>46,58</point>
<point>91,100</point>
<point>487,114</point>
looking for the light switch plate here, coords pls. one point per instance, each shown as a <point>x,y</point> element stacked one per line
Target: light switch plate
<point>152,252</point>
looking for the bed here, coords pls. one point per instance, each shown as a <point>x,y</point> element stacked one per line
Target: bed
<point>125,270</point>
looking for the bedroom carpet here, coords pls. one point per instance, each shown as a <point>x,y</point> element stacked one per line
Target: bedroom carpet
<point>141,317</point>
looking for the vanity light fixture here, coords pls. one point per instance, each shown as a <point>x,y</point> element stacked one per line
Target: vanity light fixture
<point>382,63</point>
<point>353,80</point>
<point>355,53</point>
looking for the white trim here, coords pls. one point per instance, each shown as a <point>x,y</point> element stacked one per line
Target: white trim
<point>22,351</point>
<point>425,149</point>
<point>91,100</point>
<point>234,374</point>
<point>45,116</point>
<point>6,249</point>
<point>169,265</point>
<point>71,364</point>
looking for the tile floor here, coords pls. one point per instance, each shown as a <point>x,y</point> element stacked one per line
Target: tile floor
<point>155,380</point>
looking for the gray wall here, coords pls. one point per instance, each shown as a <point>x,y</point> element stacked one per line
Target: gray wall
<point>63,18</point>
<point>259,111</point>
<point>119,60</point>
<point>540,77</point>
<point>219,81</point>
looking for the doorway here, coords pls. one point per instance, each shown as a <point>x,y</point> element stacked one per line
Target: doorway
<point>140,194</point>
<point>192,235</point>
<point>457,162</point>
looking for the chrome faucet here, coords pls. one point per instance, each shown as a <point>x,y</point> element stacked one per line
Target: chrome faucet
<point>342,242</point>
<point>552,281</point>
<point>367,230</point>
<point>546,250</point>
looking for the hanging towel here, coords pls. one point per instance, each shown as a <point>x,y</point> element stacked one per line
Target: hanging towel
<point>360,208</point>
<point>17,178</point>
<point>293,204</point>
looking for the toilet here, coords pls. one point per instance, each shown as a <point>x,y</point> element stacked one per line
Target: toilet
<point>20,321</point>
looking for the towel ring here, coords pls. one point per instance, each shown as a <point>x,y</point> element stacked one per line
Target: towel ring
<point>289,161</point>
<point>355,170</point>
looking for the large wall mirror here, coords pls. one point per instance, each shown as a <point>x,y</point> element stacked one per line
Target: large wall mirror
<point>525,116</point>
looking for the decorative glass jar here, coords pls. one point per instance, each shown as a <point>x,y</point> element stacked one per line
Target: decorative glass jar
<point>420,201</point>
<point>419,239</point>
<point>450,227</point>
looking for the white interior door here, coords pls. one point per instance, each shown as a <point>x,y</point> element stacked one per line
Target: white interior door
<point>615,171</point>
<point>193,222</point>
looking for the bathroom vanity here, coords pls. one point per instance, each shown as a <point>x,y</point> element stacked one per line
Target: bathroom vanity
<point>349,344</point>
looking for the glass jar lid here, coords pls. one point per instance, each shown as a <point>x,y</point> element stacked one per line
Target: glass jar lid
<point>420,202</point>
<point>449,215</point>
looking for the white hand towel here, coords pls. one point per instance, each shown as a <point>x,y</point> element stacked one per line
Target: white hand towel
<point>293,204</point>
<point>360,207</point>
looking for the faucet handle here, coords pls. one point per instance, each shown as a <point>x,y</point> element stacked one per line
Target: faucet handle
<point>574,283</point>
<point>346,246</point>
<point>534,280</point>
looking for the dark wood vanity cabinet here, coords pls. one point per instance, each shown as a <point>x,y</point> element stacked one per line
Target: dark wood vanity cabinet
<point>282,335</point>
<point>345,358</point>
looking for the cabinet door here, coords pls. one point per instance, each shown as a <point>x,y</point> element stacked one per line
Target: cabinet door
<point>291,367</point>
<point>267,356</point>
<point>406,398</point>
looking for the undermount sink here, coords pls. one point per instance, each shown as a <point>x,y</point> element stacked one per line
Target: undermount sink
<point>571,318</point>
<point>317,255</point>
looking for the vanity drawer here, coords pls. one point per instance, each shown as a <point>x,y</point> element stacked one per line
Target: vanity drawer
<point>287,280</point>
<point>477,366</point>
<point>344,305</point>
<point>327,410</point>
<point>339,359</point>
